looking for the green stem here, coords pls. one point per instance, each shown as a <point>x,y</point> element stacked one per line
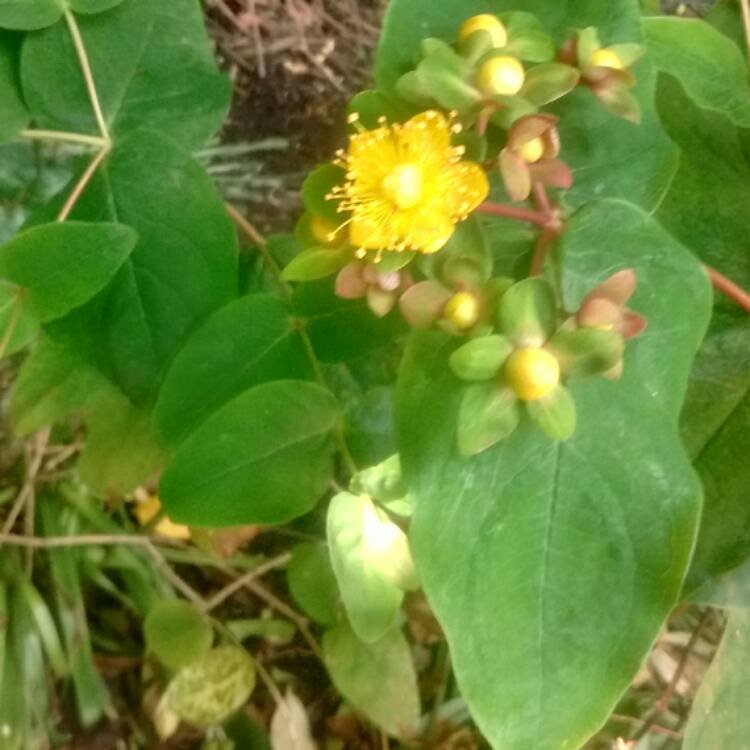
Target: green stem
<point>259,241</point>
<point>80,186</point>
<point>59,135</point>
<point>88,76</point>
<point>12,323</point>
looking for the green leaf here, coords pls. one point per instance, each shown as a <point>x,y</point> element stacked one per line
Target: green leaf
<point>378,678</point>
<point>372,600</point>
<point>14,313</point>
<point>319,184</point>
<point>177,633</point>
<point>45,626</point>
<point>52,383</point>
<point>718,717</point>
<point>183,268</point>
<point>121,452</point>
<point>709,66</point>
<point>28,15</point>
<point>212,688</point>
<point>575,596</point>
<point>63,265</point>
<point>342,329</point>
<point>312,582</point>
<point>13,114</point>
<point>371,105</point>
<point>480,358</point>
<point>251,340</point>
<point>92,6</point>
<point>316,263</point>
<point>369,426</point>
<point>264,457</point>
<point>91,694</point>
<point>528,312</point>
<point>383,482</point>
<point>531,45</point>
<point>137,51</point>
<point>586,351</point>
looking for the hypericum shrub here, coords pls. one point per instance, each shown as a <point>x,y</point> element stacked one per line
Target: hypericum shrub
<point>483,333</point>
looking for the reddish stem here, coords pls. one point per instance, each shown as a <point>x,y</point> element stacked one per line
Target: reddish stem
<point>514,212</point>
<point>546,238</point>
<point>727,287</point>
<point>541,198</point>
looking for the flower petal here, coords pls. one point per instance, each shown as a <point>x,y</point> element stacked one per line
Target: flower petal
<point>465,186</point>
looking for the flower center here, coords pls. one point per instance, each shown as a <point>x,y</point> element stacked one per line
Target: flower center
<point>403,185</point>
<point>532,373</point>
<point>606,58</point>
<point>532,151</point>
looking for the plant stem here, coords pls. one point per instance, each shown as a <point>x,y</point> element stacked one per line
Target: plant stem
<point>15,316</point>
<point>259,241</point>
<point>728,288</point>
<point>80,186</point>
<point>546,238</point>
<point>63,137</point>
<point>88,76</point>
<point>513,212</point>
<point>745,5</point>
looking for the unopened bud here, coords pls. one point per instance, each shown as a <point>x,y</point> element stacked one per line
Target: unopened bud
<point>532,373</point>
<point>532,151</point>
<point>484,22</point>
<point>606,58</point>
<point>501,76</point>
<point>463,310</point>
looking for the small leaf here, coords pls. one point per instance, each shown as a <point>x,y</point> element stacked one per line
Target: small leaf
<point>177,633</point>
<point>548,82</point>
<point>264,457</point>
<point>63,265</point>
<point>555,414</point>
<point>249,341</point>
<point>423,303</point>
<point>446,76</point>
<point>383,482</point>
<point>528,312</point>
<point>586,351</point>
<point>531,46</point>
<point>480,358</point>
<point>212,688</point>
<point>317,186</point>
<point>378,678</point>
<point>371,598</point>
<point>316,263</point>
<point>53,382</point>
<point>371,105</point>
<point>487,415</point>
<point>29,15</point>
<point>312,582</point>
<point>710,67</point>
<point>619,101</point>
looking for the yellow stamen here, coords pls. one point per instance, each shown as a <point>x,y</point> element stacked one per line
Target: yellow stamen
<point>606,58</point>
<point>532,373</point>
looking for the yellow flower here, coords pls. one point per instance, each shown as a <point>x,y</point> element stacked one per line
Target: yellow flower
<point>407,186</point>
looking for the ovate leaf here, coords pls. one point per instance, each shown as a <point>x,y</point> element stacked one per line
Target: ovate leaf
<point>138,51</point>
<point>377,678</point>
<point>60,266</point>
<point>52,383</point>
<point>213,687</point>
<point>264,457</point>
<point>27,15</point>
<point>183,268</point>
<point>249,341</point>
<point>709,66</point>
<point>551,566</point>
<point>17,325</point>
<point>312,582</point>
<point>719,717</point>
<point>371,599</point>
<point>177,633</point>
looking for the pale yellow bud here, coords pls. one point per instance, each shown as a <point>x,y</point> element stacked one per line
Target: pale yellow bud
<point>484,22</point>
<point>463,310</point>
<point>532,373</point>
<point>501,76</point>
<point>606,58</point>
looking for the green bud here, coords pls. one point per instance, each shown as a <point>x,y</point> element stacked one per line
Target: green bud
<point>488,414</point>
<point>555,414</point>
<point>528,312</point>
<point>481,358</point>
<point>586,351</point>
